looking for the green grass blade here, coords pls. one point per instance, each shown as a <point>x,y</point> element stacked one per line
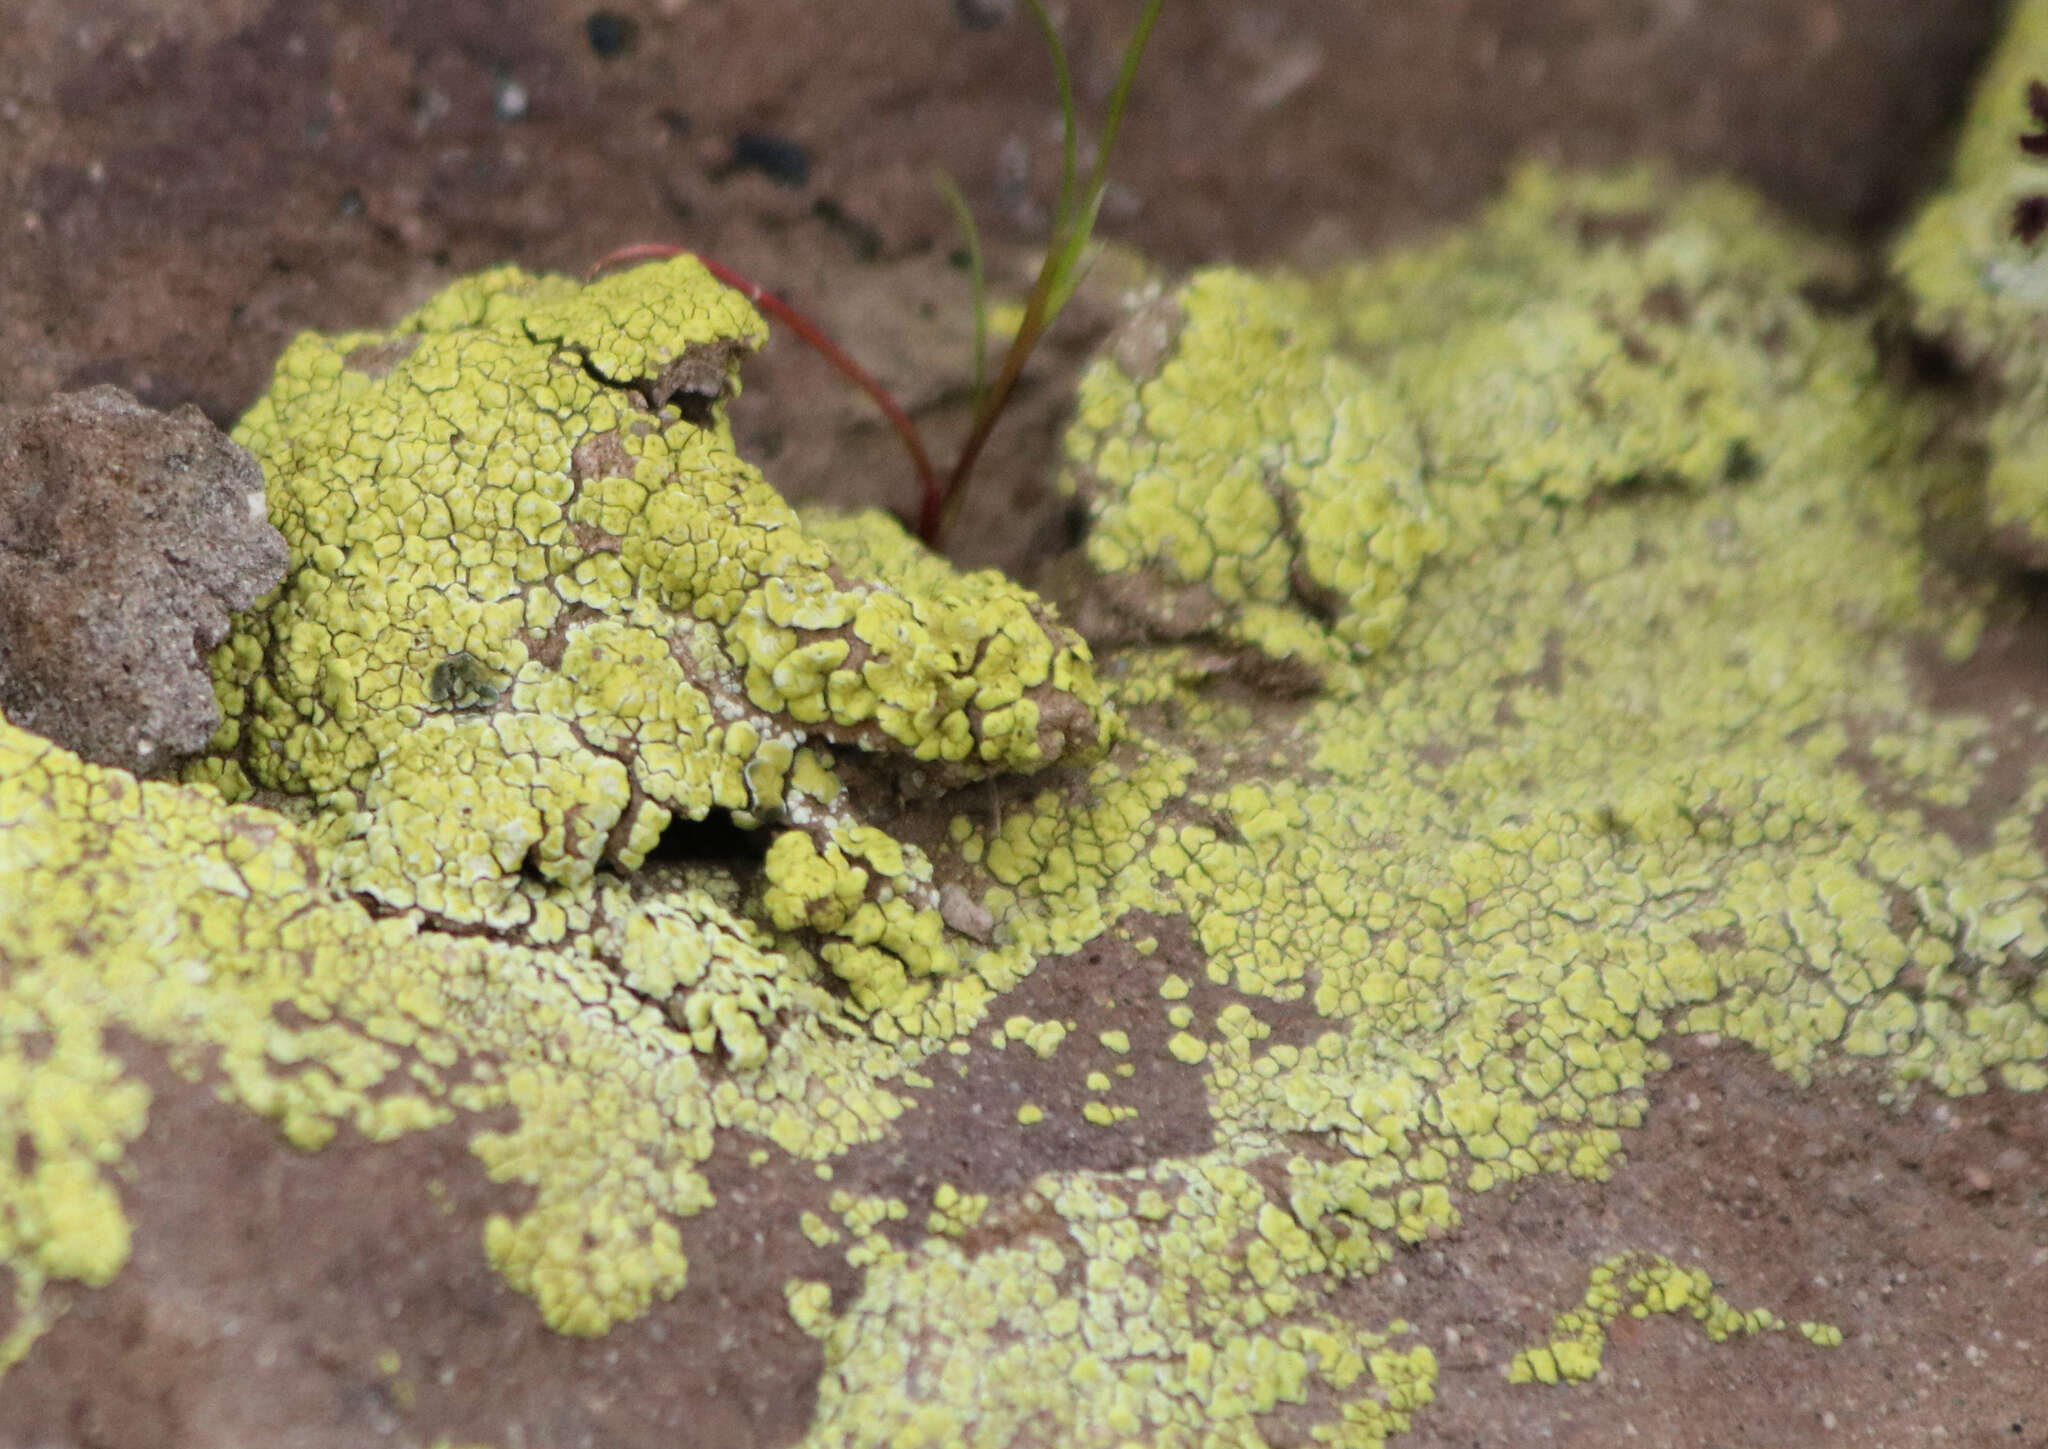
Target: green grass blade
<point>1061,271</point>
<point>1067,264</point>
<point>977,277</point>
<point>1070,126</point>
<point>1118,98</point>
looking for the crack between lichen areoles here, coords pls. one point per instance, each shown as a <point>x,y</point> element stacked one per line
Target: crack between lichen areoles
<point>1322,604</point>
<point>702,373</point>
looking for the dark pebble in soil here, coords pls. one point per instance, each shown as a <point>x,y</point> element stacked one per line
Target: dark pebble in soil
<point>778,158</point>
<point>611,34</point>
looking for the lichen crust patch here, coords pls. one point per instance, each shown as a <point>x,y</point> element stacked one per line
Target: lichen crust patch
<point>1647,751</point>
<point>540,623</point>
<point>1640,1284</point>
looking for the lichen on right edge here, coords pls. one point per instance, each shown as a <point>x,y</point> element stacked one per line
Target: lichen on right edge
<point>1976,283</point>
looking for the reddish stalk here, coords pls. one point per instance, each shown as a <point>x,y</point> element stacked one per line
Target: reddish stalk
<point>1060,273</point>
<point>942,502</point>
<point>931,491</point>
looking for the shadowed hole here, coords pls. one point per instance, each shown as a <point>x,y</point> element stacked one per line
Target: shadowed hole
<point>715,838</point>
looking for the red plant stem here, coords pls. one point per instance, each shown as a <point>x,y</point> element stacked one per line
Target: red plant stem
<point>931,491</point>
<point>942,503</point>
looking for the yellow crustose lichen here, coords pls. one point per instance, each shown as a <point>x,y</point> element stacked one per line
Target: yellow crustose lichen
<point>537,612</point>
<point>1602,542</point>
<point>1982,288</point>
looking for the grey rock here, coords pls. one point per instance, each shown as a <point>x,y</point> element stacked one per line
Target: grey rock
<point>127,536</point>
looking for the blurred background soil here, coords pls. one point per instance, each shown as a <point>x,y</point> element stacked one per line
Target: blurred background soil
<point>184,186</point>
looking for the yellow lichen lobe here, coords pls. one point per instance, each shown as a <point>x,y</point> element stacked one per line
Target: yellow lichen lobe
<point>1262,467</point>
<point>1640,1285</point>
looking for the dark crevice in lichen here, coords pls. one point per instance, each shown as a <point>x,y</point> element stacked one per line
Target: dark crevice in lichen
<point>986,802</point>
<point>529,867</point>
<point>1321,603</point>
<point>463,682</point>
<point>1632,229</point>
<point>714,840</point>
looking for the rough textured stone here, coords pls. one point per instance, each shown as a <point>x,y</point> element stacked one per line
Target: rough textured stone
<point>126,538</point>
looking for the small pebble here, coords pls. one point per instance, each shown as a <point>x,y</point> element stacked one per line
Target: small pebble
<point>512,100</point>
<point>611,34</point>
<point>778,158</point>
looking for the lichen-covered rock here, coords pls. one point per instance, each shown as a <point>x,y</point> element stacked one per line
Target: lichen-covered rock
<point>127,536</point>
<point>539,611</point>
<point>1977,280</point>
<point>1611,723</point>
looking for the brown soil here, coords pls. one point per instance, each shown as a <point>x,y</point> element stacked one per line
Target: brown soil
<point>184,187</point>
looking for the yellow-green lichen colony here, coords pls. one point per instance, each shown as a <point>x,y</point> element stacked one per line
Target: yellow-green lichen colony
<point>1597,531</point>
<point>539,610</point>
<point>1645,754</point>
<point>1177,1306</point>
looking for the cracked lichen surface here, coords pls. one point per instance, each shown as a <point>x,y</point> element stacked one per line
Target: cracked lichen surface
<point>1597,523</point>
<point>1084,1337</point>
<point>1253,464</point>
<point>539,612</point>
<point>1982,289</point>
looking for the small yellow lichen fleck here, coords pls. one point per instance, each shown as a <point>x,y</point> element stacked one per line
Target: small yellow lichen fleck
<point>954,1212</point>
<point>810,1304</point>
